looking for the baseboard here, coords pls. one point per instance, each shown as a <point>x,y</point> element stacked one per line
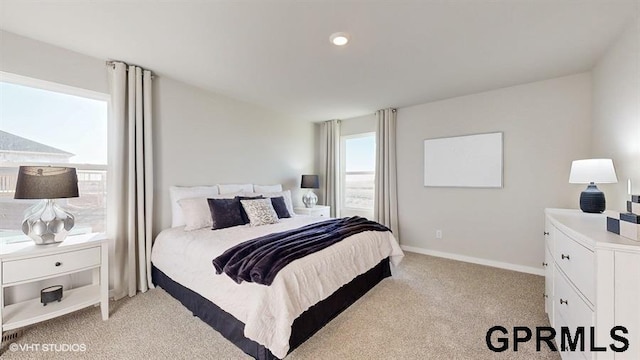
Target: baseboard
<point>474,260</point>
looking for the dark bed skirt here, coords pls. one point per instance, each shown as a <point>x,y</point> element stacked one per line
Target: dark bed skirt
<point>307,324</point>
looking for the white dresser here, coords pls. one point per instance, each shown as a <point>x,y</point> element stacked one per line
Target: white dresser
<point>592,279</point>
<point>25,262</point>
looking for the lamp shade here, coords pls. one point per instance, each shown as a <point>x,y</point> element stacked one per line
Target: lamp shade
<point>587,171</point>
<point>46,182</point>
<point>310,182</point>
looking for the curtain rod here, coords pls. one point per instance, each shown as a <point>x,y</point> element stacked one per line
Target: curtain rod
<point>112,63</point>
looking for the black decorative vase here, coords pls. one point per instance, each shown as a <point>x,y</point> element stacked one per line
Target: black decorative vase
<point>592,200</point>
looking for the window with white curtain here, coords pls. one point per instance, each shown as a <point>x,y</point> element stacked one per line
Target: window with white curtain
<point>357,174</point>
<point>43,123</point>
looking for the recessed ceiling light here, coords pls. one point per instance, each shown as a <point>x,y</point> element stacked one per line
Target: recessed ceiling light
<point>339,38</point>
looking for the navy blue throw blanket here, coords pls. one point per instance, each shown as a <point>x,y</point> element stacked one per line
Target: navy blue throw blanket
<point>259,260</point>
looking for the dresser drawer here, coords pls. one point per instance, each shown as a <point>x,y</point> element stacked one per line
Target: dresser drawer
<point>565,353</point>
<point>49,265</point>
<point>570,309</point>
<point>577,262</point>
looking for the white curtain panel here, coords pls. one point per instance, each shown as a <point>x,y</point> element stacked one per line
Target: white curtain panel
<point>130,179</point>
<point>329,150</point>
<point>386,188</point>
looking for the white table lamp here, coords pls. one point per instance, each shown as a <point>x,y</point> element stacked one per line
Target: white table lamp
<point>592,171</point>
<point>46,222</point>
<point>310,182</point>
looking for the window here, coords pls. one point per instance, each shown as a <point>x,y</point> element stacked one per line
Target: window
<point>49,124</point>
<point>357,178</point>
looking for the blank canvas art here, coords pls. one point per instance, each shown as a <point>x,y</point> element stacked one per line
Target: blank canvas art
<point>464,161</point>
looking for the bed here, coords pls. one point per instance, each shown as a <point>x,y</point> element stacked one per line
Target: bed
<point>268,322</point>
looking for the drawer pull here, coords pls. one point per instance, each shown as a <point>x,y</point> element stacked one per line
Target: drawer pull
<point>546,233</point>
<point>544,264</point>
<point>566,302</point>
<point>58,263</point>
<point>565,256</point>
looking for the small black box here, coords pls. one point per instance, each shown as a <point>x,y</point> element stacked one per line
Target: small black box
<point>51,294</point>
<point>635,198</point>
<point>629,207</point>
<point>629,217</point>
<point>613,225</point>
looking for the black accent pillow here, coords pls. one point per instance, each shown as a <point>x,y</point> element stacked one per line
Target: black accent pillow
<point>243,214</point>
<point>225,213</point>
<point>280,207</point>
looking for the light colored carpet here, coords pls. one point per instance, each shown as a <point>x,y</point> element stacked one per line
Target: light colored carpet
<point>431,308</point>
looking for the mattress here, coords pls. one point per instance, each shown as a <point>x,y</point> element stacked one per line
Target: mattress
<point>268,311</point>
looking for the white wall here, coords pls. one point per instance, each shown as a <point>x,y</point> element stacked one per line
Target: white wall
<point>546,125</point>
<point>204,138</point>
<point>358,125</point>
<point>31,58</point>
<point>616,113</point>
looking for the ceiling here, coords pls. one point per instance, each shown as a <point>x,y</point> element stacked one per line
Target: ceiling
<point>277,53</point>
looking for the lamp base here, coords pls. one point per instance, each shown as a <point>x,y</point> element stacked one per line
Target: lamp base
<point>309,199</point>
<point>47,223</point>
<point>592,200</point>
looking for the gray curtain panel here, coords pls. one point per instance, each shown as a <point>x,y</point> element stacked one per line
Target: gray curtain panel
<point>329,150</point>
<point>386,188</point>
<point>131,192</point>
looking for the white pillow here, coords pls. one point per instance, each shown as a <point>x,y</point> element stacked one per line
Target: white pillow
<point>267,188</point>
<point>234,188</point>
<point>177,193</point>
<point>285,194</point>
<point>260,212</point>
<point>196,213</point>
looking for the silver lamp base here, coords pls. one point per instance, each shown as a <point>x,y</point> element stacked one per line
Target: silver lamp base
<point>309,199</point>
<point>47,223</point>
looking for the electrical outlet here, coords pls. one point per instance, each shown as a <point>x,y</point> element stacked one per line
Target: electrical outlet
<point>438,234</point>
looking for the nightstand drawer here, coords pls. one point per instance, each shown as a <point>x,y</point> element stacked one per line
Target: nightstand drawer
<point>318,210</point>
<point>49,265</point>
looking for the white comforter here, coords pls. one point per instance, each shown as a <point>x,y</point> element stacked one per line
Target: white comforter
<point>268,311</point>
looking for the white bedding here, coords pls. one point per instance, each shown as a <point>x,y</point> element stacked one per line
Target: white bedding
<point>268,311</point>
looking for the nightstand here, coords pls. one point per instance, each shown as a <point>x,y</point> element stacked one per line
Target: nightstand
<point>318,210</point>
<point>26,262</point>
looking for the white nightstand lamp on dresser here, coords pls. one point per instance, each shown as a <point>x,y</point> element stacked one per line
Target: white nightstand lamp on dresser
<point>318,210</point>
<point>25,262</point>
